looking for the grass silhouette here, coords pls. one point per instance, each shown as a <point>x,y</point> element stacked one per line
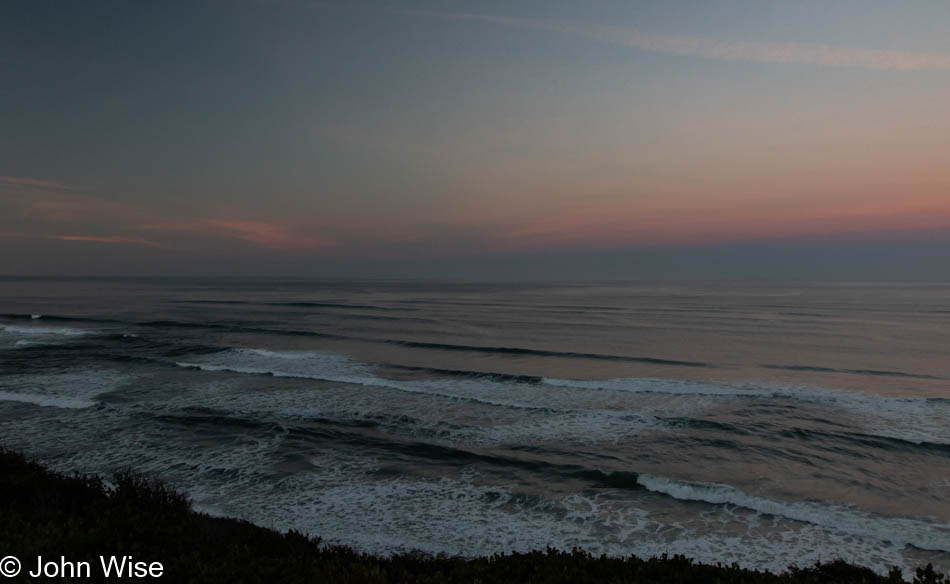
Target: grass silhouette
<point>51,514</point>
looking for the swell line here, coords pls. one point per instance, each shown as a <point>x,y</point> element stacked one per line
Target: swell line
<point>294,303</point>
<point>544,353</point>
<point>467,374</point>
<point>873,372</point>
<point>460,457</point>
<point>241,328</point>
<point>369,381</point>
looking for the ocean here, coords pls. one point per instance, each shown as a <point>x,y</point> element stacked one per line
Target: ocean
<point>763,423</point>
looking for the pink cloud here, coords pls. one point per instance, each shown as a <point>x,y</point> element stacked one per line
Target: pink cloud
<point>13,181</point>
<point>109,239</point>
<point>39,206</point>
<point>91,238</point>
<point>260,233</point>
<point>73,207</point>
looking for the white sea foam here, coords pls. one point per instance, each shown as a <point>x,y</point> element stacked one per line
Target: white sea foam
<point>915,420</point>
<point>303,364</point>
<point>504,412</point>
<point>43,330</point>
<point>324,366</point>
<point>763,532</point>
<point>342,498</point>
<point>46,400</point>
<point>65,390</point>
<point>846,520</point>
<point>22,337</point>
<point>415,415</point>
<point>462,516</point>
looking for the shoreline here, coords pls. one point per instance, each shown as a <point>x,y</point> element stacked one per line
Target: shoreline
<point>77,522</point>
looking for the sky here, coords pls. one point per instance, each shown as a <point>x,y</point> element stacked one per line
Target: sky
<point>498,139</point>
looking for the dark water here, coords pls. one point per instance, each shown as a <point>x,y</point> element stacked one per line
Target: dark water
<point>762,423</point>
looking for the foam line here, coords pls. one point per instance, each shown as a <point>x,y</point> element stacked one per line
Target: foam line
<point>47,400</point>
<point>43,330</point>
<point>329,367</point>
<point>921,534</point>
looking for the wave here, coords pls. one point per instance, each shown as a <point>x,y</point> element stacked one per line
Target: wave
<point>240,328</point>
<point>918,533</point>
<point>877,441</point>
<point>872,372</point>
<point>55,401</point>
<point>663,386</point>
<point>490,375</point>
<point>681,387</point>
<point>437,346</point>
<point>323,366</point>
<point>883,417</point>
<point>207,417</point>
<point>916,420</point>
<point>15,316</point>
<point>461,457</point>
<point>352,432</point>
<point>245,328</point>
<point>484,412</point>
<point>807,314</point>
<point>213,302</point>
<point>494,422</point>
<point>61,390</point>
<point>327,305</point>
<point>461,516</point>
<point>40,322</point>
<point>184,324</point>
<point>520,306</point>
<point>44,330</point>
<point>430,345</point>
<point>543,353</point>
<point>297,304</point>
<point>361,500</point>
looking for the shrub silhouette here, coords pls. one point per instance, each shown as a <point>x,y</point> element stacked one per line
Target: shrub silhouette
<point>52,514</point>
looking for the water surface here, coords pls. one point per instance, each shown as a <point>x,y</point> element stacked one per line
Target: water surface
<point>764,423</point>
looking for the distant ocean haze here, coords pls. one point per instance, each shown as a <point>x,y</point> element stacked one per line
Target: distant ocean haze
<point>767,423</point>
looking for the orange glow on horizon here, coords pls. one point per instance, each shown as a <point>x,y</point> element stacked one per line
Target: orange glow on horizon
<point>622,225</point>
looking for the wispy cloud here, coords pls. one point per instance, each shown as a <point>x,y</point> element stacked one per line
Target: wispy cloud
<point>262,234</point>
<point>73,207</point>
<point>32,208</point>
<point>109,239</point>
<point>767,52</point>
<point>13,181</point>
<point>44,201</point>
<point>90,238</point>
<point>722,49</point>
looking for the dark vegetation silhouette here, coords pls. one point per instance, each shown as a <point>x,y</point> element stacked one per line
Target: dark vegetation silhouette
<point>52,514</point>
